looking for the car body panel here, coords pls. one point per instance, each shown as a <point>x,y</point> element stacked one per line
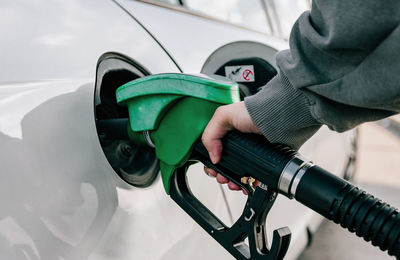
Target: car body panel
<point>64,39</point>
<point>191,39</point>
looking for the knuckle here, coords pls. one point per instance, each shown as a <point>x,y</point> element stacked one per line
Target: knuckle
<point>219,111</point>
<point>204,138</point>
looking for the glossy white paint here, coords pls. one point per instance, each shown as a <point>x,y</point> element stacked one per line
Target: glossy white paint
<point>191,39</point>
<point>63,39</point>
<point>52,206</point>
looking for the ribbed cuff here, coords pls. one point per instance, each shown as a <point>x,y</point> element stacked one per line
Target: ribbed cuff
<point>282,113</point>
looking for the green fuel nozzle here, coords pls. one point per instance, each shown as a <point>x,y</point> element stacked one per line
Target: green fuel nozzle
<point>170,111</point>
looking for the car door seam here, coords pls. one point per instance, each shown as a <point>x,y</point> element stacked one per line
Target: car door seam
<point>151,35</point>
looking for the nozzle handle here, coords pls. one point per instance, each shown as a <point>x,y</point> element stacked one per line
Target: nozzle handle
<point>316,188</point>
<point>249,155</point>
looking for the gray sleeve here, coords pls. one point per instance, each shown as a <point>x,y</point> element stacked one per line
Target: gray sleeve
<point>342,69</point>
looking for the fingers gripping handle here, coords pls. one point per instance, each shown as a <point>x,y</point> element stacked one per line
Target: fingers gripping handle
<point>249,155</point>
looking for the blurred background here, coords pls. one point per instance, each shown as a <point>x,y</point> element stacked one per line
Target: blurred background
<point>378,172</point>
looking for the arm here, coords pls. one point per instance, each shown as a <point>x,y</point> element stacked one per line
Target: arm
<point>342,69</point>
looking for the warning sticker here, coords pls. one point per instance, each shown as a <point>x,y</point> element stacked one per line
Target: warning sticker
<point>240,73</point>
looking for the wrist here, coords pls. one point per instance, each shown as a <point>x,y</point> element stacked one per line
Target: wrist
<point>282,113</point>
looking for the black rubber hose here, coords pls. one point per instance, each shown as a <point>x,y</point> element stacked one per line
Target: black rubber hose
<point>352,208</point>
<point>323,192</point>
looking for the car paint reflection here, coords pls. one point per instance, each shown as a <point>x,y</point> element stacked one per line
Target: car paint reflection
<point>55,199</point>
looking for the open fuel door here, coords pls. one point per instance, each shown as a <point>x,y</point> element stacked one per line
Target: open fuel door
<point>251,64</point>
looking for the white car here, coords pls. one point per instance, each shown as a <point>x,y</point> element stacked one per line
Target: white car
<point>66,193</point>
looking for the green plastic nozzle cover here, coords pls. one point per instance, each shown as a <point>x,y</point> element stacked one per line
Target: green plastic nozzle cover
<point>175,108</point>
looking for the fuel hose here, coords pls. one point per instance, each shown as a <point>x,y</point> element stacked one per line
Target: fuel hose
<point>283,169</point>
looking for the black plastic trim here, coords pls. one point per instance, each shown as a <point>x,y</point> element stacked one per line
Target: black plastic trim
<point>137,166</point>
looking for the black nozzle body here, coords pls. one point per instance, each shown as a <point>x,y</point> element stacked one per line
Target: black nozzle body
<point>321,191</point>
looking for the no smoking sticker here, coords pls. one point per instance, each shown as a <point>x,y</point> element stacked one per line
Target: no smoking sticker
<point>240,73</point>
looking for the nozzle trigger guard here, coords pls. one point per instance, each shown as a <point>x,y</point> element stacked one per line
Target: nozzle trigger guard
<point>251,224</point>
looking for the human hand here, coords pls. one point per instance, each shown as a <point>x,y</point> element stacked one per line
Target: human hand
<point>225,119</point>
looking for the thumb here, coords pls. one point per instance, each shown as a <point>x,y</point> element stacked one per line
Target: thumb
<point>219,125</point>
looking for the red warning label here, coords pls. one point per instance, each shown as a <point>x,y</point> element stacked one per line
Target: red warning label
<point>240,73</point>
<point>248,75</point>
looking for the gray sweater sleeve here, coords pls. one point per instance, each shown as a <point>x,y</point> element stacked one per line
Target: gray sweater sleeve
<point>342,69</point>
